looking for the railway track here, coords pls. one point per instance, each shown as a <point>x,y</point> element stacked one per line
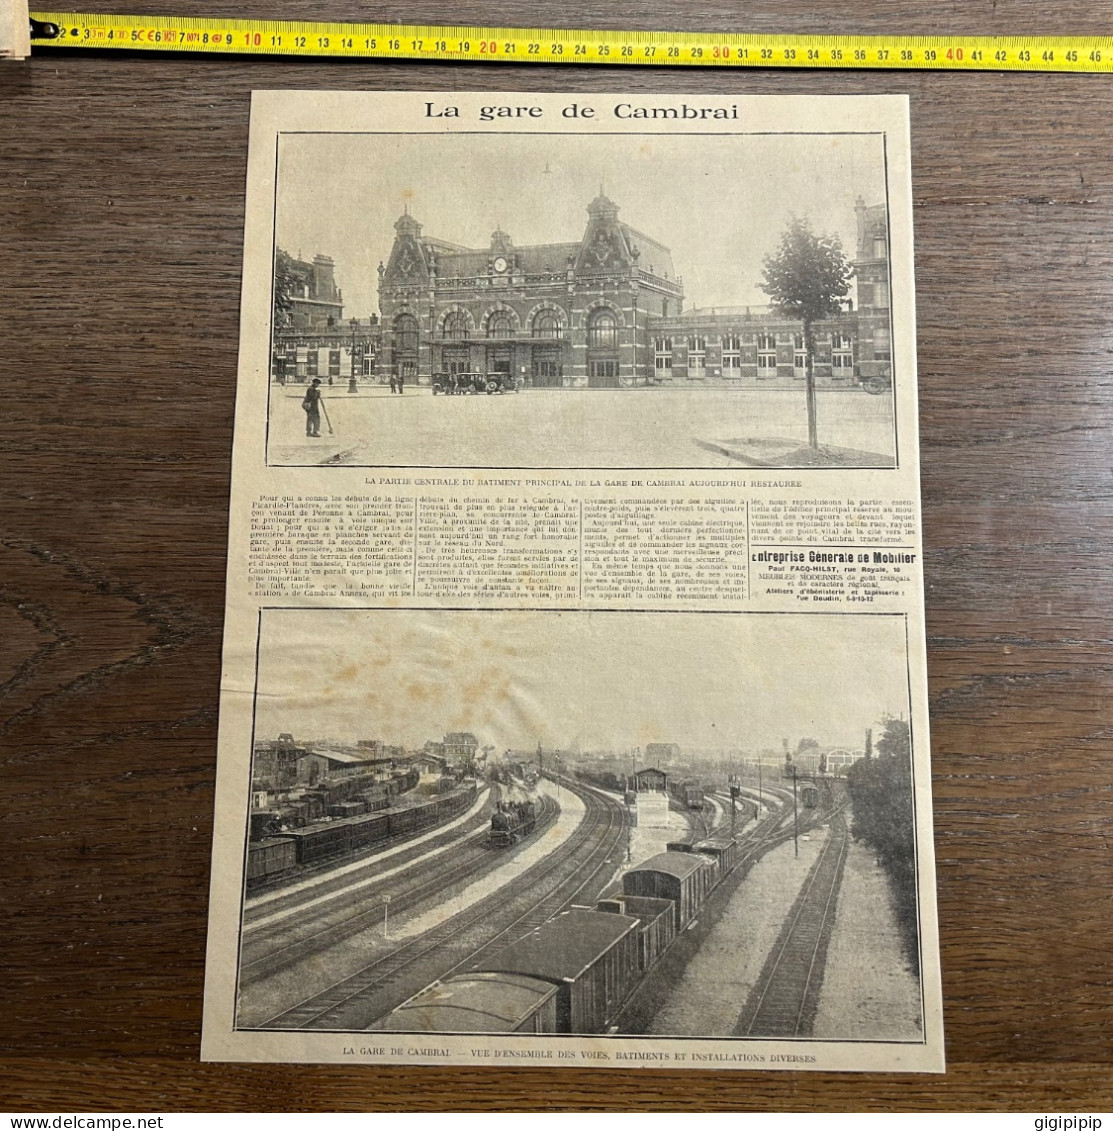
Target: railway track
<point>587,889</point>
<point>755,842</point>
<point>355,1002</point>
<point>783,1002</point>
<point>285,945</point>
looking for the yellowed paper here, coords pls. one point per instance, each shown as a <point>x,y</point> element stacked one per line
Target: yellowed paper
<point>574,695</point>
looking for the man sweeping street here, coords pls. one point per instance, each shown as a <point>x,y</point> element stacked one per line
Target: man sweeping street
<point>312,406</point>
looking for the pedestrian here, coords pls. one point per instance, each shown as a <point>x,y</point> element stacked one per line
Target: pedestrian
<point>312,406</point>
<point>401,382</point>
<point>393,384</point>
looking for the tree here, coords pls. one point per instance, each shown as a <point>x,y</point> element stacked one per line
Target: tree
<point>881,791</point>
<point>285,279</point>
<point>807,278</point>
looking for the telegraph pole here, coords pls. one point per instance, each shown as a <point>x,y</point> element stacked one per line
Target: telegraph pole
<point>795,822</point>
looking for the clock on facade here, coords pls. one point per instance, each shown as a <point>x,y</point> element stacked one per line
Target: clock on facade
<point>500,265</point>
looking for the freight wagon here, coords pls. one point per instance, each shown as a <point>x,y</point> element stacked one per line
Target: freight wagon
<point>657,922</point>
<point>324,841</point>
<point>269,857</point>
<point>575,973</point>
<point>571,975</point>
<point>683,878</point>
<point>478,1003</point>
<point>720,851</point>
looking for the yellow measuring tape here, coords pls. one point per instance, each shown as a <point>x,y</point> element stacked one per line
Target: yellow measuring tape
<point>536,45</point>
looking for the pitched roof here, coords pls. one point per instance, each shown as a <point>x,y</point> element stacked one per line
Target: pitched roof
<point>344,758</point>
<point>465,263</point>
<point>653,256</point>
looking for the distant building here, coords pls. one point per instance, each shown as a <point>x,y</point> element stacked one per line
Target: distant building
<point>753,346</point>
<point>871,267</point>
<point>311,338</point>
<point>840,760</point>
<point>274,765</point>
<point>460,747</point>
<point>306,292</point>
<point>650,780</point>
<point>430,763</point>
<point>315,764</point>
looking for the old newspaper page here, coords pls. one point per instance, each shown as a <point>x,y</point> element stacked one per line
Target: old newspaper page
<point>574,705</point>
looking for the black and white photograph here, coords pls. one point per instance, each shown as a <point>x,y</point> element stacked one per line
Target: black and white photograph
<point>708,297</point>
<point>493,814</point>
<point>587,824</point>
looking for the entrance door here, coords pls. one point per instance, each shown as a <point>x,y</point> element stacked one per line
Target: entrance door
<point>603,373</point>
<point>498,360</point>
<point>546,369</point>
<point>456,360</point>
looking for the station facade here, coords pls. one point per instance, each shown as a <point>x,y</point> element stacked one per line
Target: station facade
<point>605,310</point>
<point>566,314</point>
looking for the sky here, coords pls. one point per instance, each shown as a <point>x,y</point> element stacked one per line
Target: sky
<point>720,203</point>
<point>595,681</point>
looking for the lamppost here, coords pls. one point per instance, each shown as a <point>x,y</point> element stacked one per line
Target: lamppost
<point>352,388</point>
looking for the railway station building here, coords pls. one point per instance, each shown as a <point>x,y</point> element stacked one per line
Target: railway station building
<point>607,309</point>
<point>559,315</point>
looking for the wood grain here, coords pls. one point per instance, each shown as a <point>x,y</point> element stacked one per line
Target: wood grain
<point>121,216</point>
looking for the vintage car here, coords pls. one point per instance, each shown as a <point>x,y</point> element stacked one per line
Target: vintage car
<point>459,384</point>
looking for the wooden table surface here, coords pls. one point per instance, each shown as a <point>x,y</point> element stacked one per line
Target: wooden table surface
<point>121,217</point>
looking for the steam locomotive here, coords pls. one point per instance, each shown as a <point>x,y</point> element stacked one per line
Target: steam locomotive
<point>511,821</point>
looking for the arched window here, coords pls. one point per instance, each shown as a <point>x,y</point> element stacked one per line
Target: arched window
<point>602,331</point>
<point>456,325</point>
<point>405,333</point>
<point>546,324</point>
<point>500,325</point>
<point>697,352</point>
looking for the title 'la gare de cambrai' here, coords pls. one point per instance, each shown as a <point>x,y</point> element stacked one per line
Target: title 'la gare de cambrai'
<point>603,311</point>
